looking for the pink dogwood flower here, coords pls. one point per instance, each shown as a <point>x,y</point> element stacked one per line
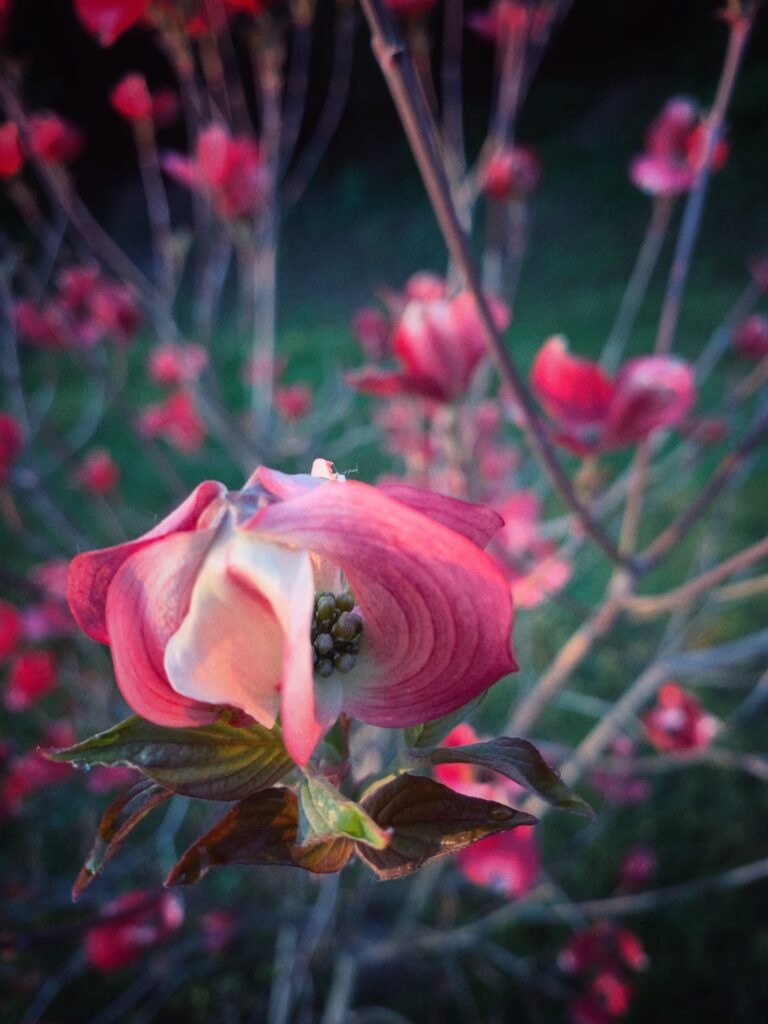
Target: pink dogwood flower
<point>176,420</point>
<point>510,866</point>
<point>508,18</point>
<point>98,473</point>
<point>52,139</point>
<point>511,173</point>
<point>244,599</point>
<point>107,20</point>
<point>32,676</point>
<point>131,98</point>
<point>677,721</point>
<point>750,339</point>
<point>11,444</point>
<point>10,629</point>
<point>11,155</point>
<point>535,569</point>
<point>131,924</point>
<point>594,413</point>
<point>172,363</point>
<point>439,343</point>
<point>675,147</point>
<point>229,169</point>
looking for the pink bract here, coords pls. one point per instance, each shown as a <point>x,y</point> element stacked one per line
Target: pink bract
<point>11,156</point>
<point>593,413</point>
<point>109,19</point>
<point>214,607</point>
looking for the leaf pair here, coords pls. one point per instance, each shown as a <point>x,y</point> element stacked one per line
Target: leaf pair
<point>399,826</point>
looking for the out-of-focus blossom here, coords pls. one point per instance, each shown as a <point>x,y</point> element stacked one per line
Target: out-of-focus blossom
<point>29,773</point>
<point>218,605</point>
<point>594,413</point>
<point>98,473</point>
<point>675,147</point>
<point>439,344</point>
<point>410,8</point>
<point>172,364</point>
<point>10,629</point>
<point>603,947</point>
<point>620,785</point>
<point>372,329</point>
<point>104,777</point>
<point>50,618</point>
<point>11,155</point>
<point>86,310</point>
<point>218,929</point>
<point>109,19</point>
<point>176,420</point>
<point>606,997</point>
<point>131,98</point>
<point>130,925</point>
<point>534,568</point>
<point>677,721</point>
<point>751,337</point>
<point>229,169</point>
<point>637,869</point>
<point>52,139</point>
<point>505,19</point>
<point>32,676</point>
<point>511,173</point>
<point>293,401</point>
<point>11,444</point>
<point>510,867</point>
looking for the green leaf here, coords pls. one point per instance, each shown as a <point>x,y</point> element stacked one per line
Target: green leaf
<point>428,735</point>
<point>120,818</point>
<point>212,762</point>
<point>260,830</point>
<point>520,761</point>
<point>426,820</point>
<point>326,812</point>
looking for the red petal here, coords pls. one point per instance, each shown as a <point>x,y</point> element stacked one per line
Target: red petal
<point>651,392</point>
<point>477,523</point>
<point>146,603</point>
<point>91,574</point>
<point>437,609</point>
<point>575,392</point>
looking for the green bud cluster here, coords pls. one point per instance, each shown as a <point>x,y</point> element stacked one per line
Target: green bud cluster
<point>336,632</point>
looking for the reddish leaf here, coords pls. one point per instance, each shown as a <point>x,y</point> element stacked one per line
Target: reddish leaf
<point>120,818</point>
<point>427,820</point>
<point>259,830</point>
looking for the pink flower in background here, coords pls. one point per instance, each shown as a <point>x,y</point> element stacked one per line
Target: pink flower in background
<point>410,8</point>
<point>637,869</point>
<point>52,139</point>
<point>510,867</point>
<point>109,19</point>
<point>606,956</point>
<point>620,785</point>
<point>176,420</point>
<point>104,777</point>
<point>513,172</point>
<point>675,147</point>
<point>11,156</point>
<point>506,18</point>
<point>751,337</point>
<point>11,444</point>
<point>31,772</point>
<point>171,363</point>
<point>372,329</point>
<point>535,569</point>
<point>98,473</point>
<point>439,344</point>
<point>593,413</point>
<point>677,722</point>
<point>218,606</point>
<point>293,401</point>
<point>32,676</point>
<point>131,98</point>
<point>131,924</point>
<point>229,169</point>
<point>218,929</point>
<point>10,629</point>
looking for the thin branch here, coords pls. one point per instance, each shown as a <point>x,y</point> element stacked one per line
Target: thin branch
<point>398,69</point>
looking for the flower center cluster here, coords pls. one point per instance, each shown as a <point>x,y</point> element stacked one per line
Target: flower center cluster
<point>336,632</point>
